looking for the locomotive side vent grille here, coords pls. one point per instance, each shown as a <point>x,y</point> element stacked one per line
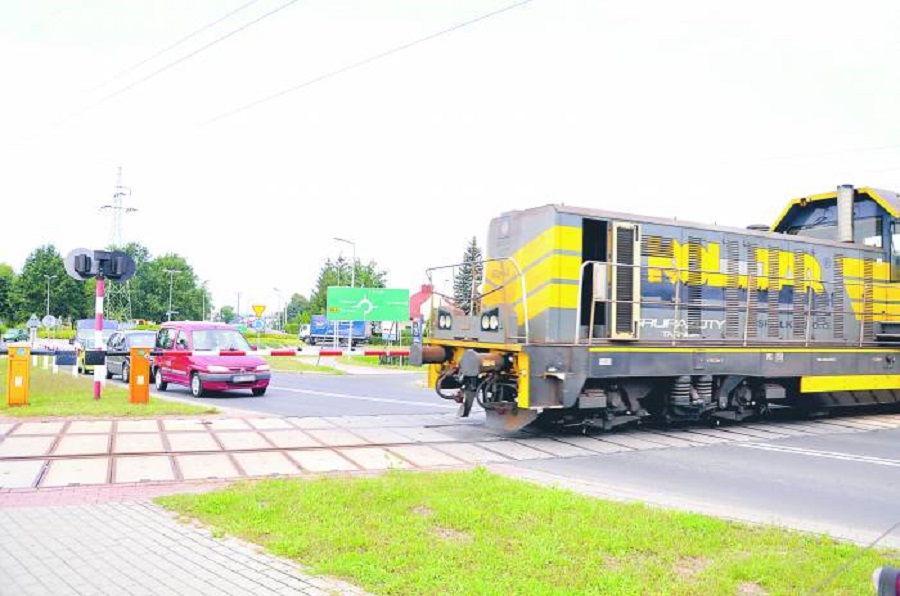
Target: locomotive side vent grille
<point>626,281</point>
<point>774,294</point>
<point>694,287</point>
<point>657,246</point>
<point>868,299</point>
<point>837,306</point>
<point>752,291</point>
<point>732,289</point>
<point>800,296</point>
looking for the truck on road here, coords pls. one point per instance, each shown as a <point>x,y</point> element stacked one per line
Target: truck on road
<point>322,331</point>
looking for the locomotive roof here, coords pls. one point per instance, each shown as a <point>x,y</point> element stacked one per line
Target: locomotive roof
<point>888,200</point>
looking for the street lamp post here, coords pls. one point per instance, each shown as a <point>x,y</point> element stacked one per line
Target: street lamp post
<point>49,278</point>
<point>203,300</point>
<point>171,273</point>
<point>281,310</point>
<point>353,264</point>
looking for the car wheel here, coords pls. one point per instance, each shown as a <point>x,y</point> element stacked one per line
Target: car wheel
<point>125,372</point>
<point>258,391</point>
<point>158,380</point>
<point>196,386</point>
<point>109,374</point>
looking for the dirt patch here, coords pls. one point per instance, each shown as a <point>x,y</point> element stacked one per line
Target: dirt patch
<point>450,535</point>
<point>423,510</point>
<point>751,589</point>
<point>688,567</point>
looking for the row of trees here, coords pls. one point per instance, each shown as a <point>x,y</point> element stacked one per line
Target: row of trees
<point>26,293</point>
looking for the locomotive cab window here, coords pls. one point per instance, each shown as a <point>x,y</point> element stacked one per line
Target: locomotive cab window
<point>895,251</point>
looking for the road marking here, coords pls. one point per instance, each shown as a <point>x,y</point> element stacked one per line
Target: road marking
<point>895,463</point>
<point>384,400</point>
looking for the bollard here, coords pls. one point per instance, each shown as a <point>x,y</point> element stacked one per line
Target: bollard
<point>46,363</point>
<point>139,376</point>
<point>17,378</point>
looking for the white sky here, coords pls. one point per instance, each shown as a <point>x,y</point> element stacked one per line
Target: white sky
<point>702,110</point>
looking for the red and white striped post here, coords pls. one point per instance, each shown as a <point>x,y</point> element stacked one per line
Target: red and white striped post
<point>99,370</point>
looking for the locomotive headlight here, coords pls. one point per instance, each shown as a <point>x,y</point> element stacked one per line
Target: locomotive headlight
<point>490,320</point>
<point>445,321</point>
<point>495,322</point>
<point>485,322</point>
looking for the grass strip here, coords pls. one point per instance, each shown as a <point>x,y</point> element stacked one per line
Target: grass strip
<point>62,394</point>
<point>475,532</point>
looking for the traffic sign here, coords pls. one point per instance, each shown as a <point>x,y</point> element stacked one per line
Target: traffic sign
<point>33,322</point>
<point>259,309</point>
<point>49,321</point>
<point>367,304</point>
<point>258,324</point>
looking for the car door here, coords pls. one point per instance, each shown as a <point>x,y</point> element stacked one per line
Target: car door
<point>165,340</point>
<point>181,359</point>
<point>114,363</point>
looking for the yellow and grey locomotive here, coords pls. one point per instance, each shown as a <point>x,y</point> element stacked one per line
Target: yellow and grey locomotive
<point>597,318</point>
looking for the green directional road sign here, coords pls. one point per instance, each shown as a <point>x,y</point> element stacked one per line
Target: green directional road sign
<point>367,304</point>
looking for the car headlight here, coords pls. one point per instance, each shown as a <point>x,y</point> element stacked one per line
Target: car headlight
<point>215,368</point>
<point>263,367</point>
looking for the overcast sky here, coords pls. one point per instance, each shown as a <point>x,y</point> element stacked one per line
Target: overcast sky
<point>699,110</point>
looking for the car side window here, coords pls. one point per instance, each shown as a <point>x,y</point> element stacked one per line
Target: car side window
<point>111,344</point>
<point>182,342</point>
<point>164,339</point>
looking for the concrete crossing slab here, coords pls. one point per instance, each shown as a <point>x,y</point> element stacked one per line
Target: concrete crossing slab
<point>13,446</point>
<point>554,447</point>
<point>336,437</point>
<point>138,443</point>
<point>92,427</point>
<point>243,440</point>
<point>137,426</point>
<point>269,423</point>
<point>514,450</point>
<point>77,472</point>
<point>374,458</point>
<point>20,474</point>
<point>82,445</point>
<point>192,442</point>
<point>381,436</point>
<point>321,460</point>
<point>471,454</point>
<point>759,434</point>
<point>692,437</point>
<point>727,435</point>
<point>183,425</point>
<point>310,422</point>
<point>228,424</point>
<point>38,428</point>
<point>290,439</point>
<point>425,456</point>
<point>593,444</point>
<point>630,441</point>
<point>424,435</point>
<point>668,440</point>
<point>266,463</point>
<point>147,468</point>
<point>213,465</point>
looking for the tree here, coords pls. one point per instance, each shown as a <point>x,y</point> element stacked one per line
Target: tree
<point>68,297</point>
<point>296,307</point>
<point>338,273</point>
<point>227,314</point>
<point>152,283</point>
<point>467,279</point>
<point>7,281</point>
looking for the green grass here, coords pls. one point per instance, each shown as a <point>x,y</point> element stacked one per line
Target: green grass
<point>292,364</point>
<point>64,395</point>
<point>479,533</point>
<point>374,361</point>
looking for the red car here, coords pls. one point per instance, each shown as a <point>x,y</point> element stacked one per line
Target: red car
<point>204,373</point>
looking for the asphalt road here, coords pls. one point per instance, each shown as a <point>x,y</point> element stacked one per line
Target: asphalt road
<point>292,394</point>
<point>846,484</point>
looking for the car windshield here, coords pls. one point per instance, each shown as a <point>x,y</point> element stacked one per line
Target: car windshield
<point>142,340</point>
<point>220,339</point>
<point>86,338</point>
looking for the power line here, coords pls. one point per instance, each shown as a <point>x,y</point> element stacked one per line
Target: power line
<point>366,61</point>
<point>202,48</point>
<point>177,43</point>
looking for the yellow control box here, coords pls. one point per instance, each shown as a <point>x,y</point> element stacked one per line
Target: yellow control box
<point>18,376</point>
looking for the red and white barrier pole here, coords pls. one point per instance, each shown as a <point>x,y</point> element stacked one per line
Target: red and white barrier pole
<point>99,371</point>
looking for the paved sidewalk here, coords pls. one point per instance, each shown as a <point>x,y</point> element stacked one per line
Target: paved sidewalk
<point>134,549</point>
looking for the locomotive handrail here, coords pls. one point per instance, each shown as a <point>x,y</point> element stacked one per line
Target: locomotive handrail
<point>519,273</point>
